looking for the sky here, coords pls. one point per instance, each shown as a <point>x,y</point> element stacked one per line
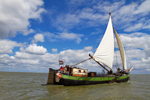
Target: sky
<point>35,34</point>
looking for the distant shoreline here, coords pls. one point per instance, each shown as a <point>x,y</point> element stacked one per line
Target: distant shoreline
<point>24,72</point>
<point>47,72</point>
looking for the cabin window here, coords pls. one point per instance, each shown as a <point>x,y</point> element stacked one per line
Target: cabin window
<point>84,71</point>
<point>79,71</point>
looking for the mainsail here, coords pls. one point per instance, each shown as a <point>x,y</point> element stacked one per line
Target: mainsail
<point>122,52</point>
<point>105,50</point>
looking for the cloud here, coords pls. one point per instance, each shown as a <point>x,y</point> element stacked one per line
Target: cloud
<point>54,50</point>
<point>143,8</point>
<point>78,17</point>
<point>23,55</point>
<point>6,46</point>
<point>89,48</point>
<point>86,17</point>
<point>146,60</point>
<point>74,56</point>
<point>33,58</point>
<point>38,37</point>
<point>136,27</point>
<point>128,16</point>
<point>137,47</point>
<point>71,36</point>
<point>15,16</point>
<point>34,49</point>
<point>64,36</point>
<point>31,61</point>
<point>11,63</point>
<point>26,32</point>
<point>133,15</point>
<point>136,40</point>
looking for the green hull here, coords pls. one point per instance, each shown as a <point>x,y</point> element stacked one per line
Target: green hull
<point>74,80</point>
<point>109,78</point>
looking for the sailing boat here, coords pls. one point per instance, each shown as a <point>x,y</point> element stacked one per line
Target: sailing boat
<point>104,54</point>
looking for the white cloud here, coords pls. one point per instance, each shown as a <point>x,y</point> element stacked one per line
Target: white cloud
<point>34,49</point>
<point>71,36</point>
<point>137,46</point>
<point>64,36</point>
<point>137,41</point>
<point>146,27</point>
<point>26,32</point>
<point>132,16</point>
<point>74,56</point>
<point>23,55</point>
<point>134,28</point>
<point>29,61</point>
<point>4,60</point>
<point>15,16</point>
<point>54,50</point>
<point>146,60</point>
<point>34,59</point>
<point>143,8</point>
<point>126,15</point>
<point>38,37</point>
<point>6,46</point>
<point>50,60</point>
<point>89,48</point>
<point>25,61</point>
<point>86,17</point>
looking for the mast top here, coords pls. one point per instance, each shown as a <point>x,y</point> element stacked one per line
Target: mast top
<point>110,10</point>
<point>109,13</point>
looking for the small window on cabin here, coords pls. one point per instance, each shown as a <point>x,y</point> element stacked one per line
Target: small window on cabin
<point>79,71</point>
<point>84,71</point>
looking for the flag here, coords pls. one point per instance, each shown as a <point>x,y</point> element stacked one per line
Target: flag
<point>61,62</point>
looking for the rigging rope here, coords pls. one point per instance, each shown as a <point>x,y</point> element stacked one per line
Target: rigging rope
<point>80,62</point>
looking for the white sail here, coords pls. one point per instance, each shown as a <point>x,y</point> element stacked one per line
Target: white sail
<point>122,52</point>
<point>105,50</point>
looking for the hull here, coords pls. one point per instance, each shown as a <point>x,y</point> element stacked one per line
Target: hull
<point>67,80</point>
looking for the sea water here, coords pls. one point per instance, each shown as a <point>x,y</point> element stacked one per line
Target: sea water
<point>27,86</point>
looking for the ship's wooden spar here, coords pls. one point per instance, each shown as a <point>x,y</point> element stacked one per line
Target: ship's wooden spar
<point>99,63</point>
<point>91,57</point>
<point>80,62</point>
